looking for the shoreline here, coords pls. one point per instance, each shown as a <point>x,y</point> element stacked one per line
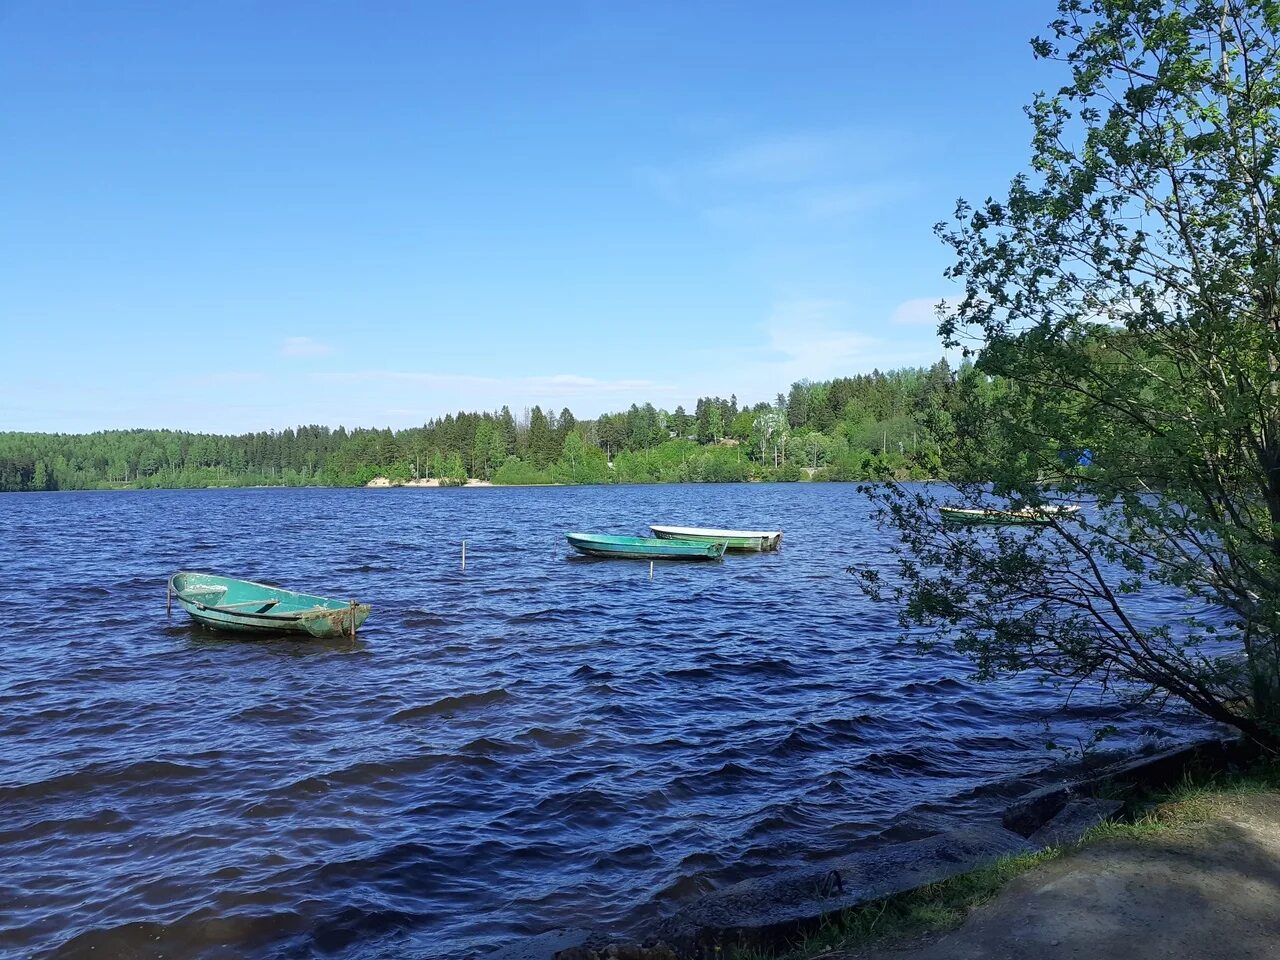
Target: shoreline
<point>470,484</point>
<point>384,483</point>
<point>837,905</point>
<point>1188,872</point>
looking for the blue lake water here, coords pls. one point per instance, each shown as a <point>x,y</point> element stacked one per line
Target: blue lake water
<point>542,740</point>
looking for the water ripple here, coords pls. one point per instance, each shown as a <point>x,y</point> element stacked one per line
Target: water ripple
<point>536,741</point>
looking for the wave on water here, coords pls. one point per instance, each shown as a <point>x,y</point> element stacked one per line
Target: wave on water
<point>531,743</point>
<point>451,705</point>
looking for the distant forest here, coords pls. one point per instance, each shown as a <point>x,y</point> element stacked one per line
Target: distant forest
<point>913,422</point>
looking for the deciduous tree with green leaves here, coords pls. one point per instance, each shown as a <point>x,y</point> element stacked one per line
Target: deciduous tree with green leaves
<point>1126,294</point>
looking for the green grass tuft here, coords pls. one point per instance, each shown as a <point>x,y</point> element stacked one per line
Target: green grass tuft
<point>930,909</point>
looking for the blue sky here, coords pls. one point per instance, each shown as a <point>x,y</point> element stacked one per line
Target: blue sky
<point>239,216</point>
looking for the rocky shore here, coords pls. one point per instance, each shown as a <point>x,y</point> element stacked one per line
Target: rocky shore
<point>433,482</point>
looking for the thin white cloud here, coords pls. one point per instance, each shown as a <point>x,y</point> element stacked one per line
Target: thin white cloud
<point>304,347</point>
<point>519,385</point>
<point>224,379</point>
<point>817,339</point>
<point>788,158</point>
<point>414,395</point>
<point>840,202</point>
<point>814,339</point>
<point>667,183</point>
<point>800,211</point>
<point>920,312</point>
<point>797,178</point>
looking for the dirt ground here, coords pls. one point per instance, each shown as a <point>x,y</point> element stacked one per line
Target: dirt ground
<point>1204,890</point>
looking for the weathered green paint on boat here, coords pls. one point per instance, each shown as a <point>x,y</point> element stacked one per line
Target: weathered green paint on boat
<point>224,603</point>
<point>643,548</point>
<point>752,540</point>
<point>1028,516</point>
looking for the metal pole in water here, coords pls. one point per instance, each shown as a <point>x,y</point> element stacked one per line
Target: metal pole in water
<point>464,554</point>
<point>650,569</point>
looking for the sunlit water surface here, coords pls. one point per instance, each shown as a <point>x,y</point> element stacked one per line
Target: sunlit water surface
<point>537,741</point>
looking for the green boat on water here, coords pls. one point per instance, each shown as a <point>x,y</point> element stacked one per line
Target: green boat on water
<point>644,548</point>
<point>744,540</point>
<point>224,603</point>
<point>1027,516</point>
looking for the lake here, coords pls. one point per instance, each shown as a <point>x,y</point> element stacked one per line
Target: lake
<point>540,740</point>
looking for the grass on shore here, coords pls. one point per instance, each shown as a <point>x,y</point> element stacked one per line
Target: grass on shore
<point>939,907</point>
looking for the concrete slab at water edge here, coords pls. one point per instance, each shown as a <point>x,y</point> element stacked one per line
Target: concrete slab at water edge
<point>767,910</point>
<point>1073,821</point>
<point>1209,890</point>
<point>553,943</point>
<point>1031,812</point>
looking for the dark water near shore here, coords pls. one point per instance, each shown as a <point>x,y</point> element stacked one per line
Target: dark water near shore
<point>542,740</point>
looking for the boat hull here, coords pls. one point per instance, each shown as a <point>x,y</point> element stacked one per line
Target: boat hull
<point>992,517</point>
<point>643,548</point>
<point>242,606</point>
<point>739,540</point>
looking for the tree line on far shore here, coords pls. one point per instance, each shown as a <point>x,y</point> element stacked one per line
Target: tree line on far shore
<point>912,422</point>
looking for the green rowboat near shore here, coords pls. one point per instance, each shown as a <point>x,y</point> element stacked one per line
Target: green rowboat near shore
<point>751,540</point>
<point>224,603</point>
<point>643,548</point>
<point>1027,516</point>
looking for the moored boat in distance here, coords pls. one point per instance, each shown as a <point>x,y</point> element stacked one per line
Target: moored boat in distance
<point>990,515</point>
<point>757,540</point>
<point>644,548</point>
<point>225,603</point>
